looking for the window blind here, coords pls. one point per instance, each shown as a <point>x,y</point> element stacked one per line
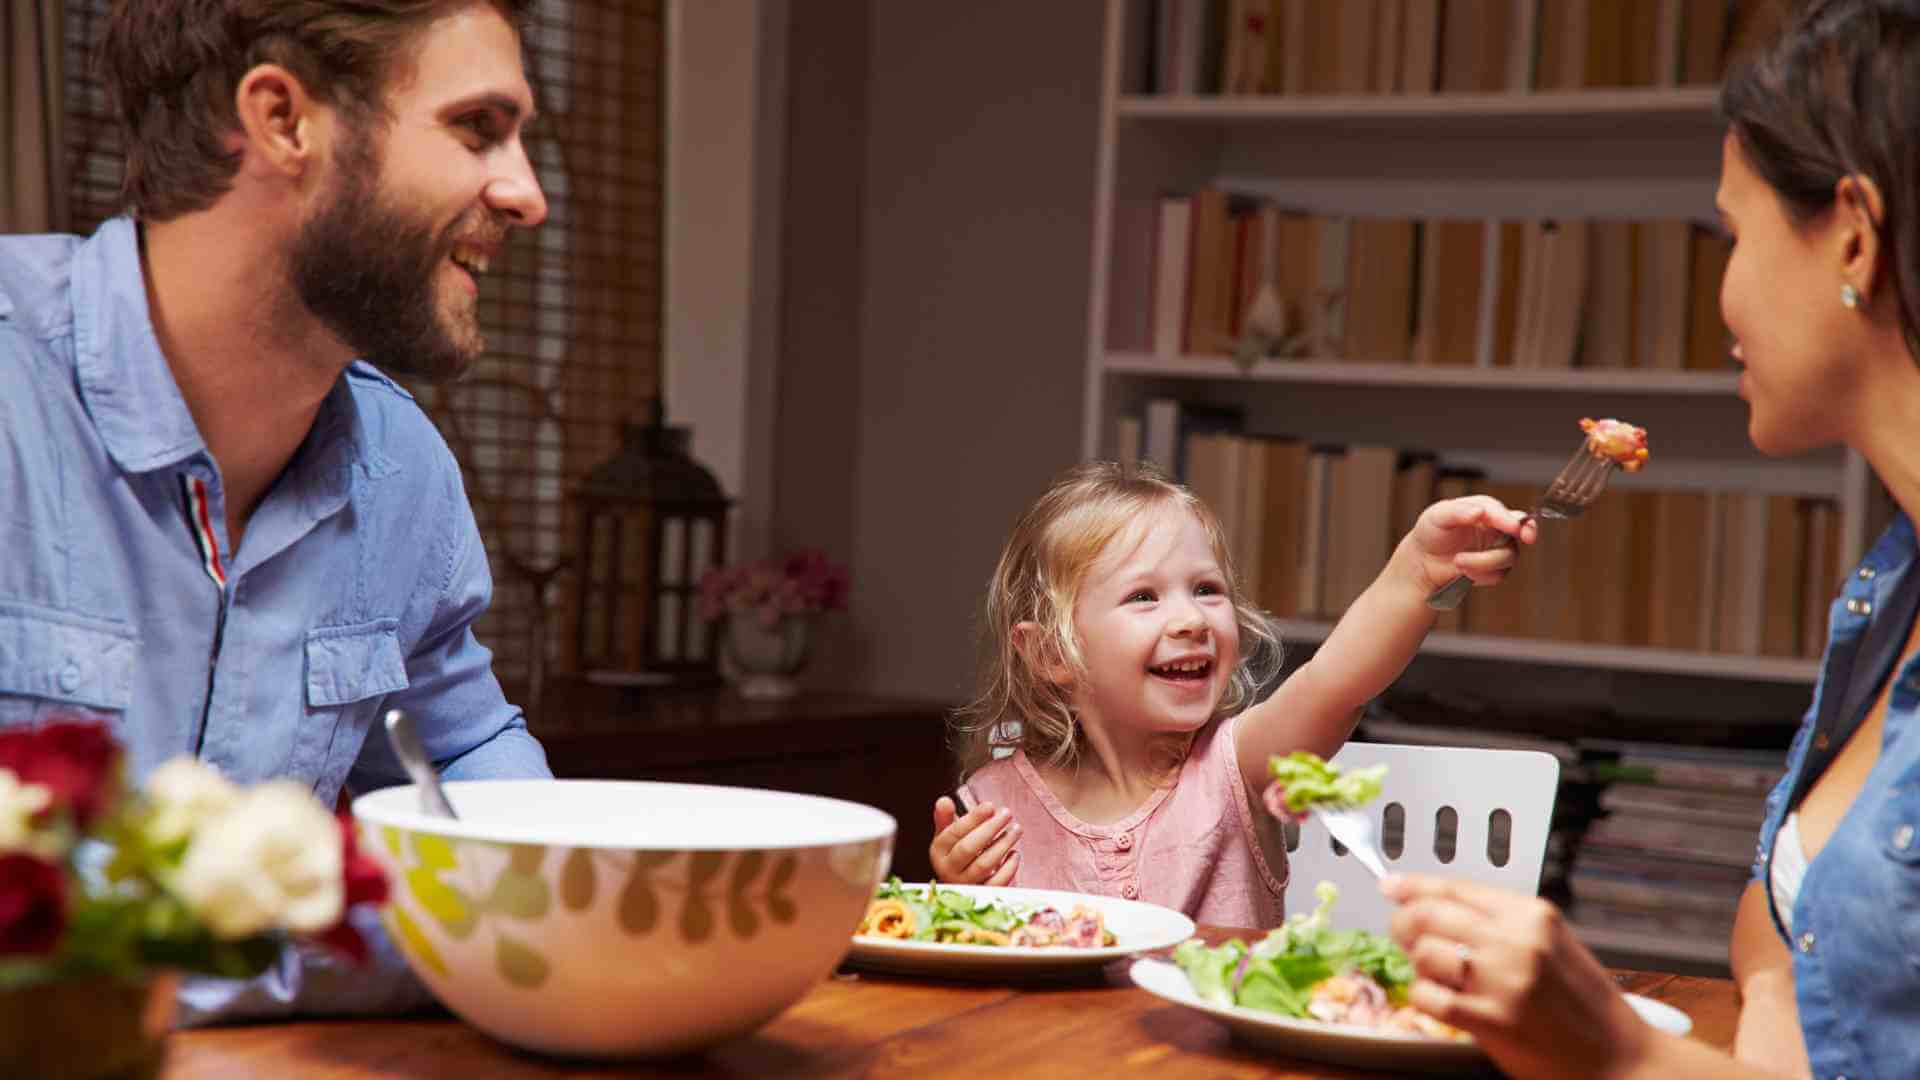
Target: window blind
<point>571,310</point>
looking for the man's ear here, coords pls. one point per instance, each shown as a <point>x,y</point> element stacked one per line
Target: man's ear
<point>1030,641</point>
<point>1859,211</point>
<point>280,123</point>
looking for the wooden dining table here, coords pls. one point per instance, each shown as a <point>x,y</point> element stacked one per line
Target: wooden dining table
<point>858,1024</point>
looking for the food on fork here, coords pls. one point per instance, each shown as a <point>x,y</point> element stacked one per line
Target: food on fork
<point>951,917</point>
<point>1618,441</point>
<point>1308,971</point>
<point>1302,782</point>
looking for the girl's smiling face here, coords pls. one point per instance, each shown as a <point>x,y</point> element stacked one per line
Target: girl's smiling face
<point>1158,633</point>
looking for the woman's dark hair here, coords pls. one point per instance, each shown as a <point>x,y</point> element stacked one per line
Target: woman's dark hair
<point>1836,93</point>
<point>171,68</point>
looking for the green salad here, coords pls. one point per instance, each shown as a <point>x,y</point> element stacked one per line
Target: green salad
<point>1303,781</point>
<point>948,916</point>
<point>1280,972</point>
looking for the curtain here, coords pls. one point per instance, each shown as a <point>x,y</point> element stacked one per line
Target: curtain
<point>31,196</point>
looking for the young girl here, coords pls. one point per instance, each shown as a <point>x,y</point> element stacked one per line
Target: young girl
<point>1123,676</point>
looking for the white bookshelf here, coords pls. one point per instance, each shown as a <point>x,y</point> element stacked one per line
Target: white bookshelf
<point>1637,154</point>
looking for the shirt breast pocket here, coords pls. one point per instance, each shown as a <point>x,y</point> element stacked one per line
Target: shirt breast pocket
<point>58,665</point>
<point>350,669</point>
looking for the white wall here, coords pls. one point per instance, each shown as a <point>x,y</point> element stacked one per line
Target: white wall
<point>973,226</point>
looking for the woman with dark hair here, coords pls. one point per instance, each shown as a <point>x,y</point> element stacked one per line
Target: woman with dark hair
<point>1820,189</point>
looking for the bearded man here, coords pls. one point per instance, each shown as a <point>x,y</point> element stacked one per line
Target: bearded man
<point>227,533</point>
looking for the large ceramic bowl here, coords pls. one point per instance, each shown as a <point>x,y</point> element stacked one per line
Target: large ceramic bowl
<point>619,919</point>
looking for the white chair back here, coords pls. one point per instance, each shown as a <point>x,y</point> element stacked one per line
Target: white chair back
<point>1424,785</point>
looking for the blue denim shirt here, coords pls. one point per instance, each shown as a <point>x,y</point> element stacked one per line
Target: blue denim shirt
<point>1856,945</point>
<point>354,589</point>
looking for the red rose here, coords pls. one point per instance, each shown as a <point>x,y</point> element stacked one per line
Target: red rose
<point>33,905</point>
<point>74,759</point>
<point>365,883</point>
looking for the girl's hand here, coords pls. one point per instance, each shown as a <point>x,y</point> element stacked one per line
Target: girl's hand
<point>1523,985</point>
<point>974,849</point>
<point>1475,535</point>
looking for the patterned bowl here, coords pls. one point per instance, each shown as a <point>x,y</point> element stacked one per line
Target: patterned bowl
<point>617,919</point>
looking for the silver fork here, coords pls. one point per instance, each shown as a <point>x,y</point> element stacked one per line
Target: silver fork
<point>1354,829</point>
<point>1581,482</point>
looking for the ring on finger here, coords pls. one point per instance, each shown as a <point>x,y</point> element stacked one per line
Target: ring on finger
<point>1465,952</point>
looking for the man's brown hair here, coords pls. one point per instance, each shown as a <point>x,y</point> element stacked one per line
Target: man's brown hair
<point>172,67</point>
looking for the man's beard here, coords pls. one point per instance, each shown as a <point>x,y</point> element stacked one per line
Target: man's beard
<point>369,271</point>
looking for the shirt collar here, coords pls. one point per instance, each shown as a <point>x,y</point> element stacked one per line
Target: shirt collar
<point>136,405</point>
<point>124,378</point>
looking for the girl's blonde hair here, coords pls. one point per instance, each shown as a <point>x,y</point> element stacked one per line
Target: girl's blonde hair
<point>1039,579</point>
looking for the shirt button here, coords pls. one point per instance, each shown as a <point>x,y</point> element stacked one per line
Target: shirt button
<point>1806,942</point>
<point>1866,574</point>
<point>1860,607</point>
<point>1130,890</point>
<point>1125,841</point>
<point>70,677</point>
<point>1903,837</point>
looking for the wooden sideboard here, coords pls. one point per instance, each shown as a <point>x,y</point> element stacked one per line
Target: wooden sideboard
<point>885,752</point>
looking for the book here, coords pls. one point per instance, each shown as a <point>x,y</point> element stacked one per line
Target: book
<point>1708,341</point>
<point>1785,562</point>
<point>1160,435</point>
<point>1312,567</point>
<point>1683,572</point>
<point>1820,523</point>
<point>1379,322</point>
<point>1359,517</point>
<point>1606,325</point>
<point>1283,513</point>
<point>1209,276</point>
<point>1414,475</point>
<point>1419,46</point>
<point>1739,809</point>
<point>1725,845</point>
<point>1447,323</point>
<point>1126,438</point>
<point>1173,226</point>
<point>1661,301</point>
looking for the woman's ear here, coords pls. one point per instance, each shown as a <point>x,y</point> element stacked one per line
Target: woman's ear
<point>1030,641</point>
<point>1859,211</point>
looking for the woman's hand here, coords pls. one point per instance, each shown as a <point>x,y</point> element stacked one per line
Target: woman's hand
<point>1507,969</point>
<point>976,848</point>
<point>1477,535</point>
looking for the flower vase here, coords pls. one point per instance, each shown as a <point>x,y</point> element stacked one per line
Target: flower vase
<point>766,657</point>
<point>92,1028</point>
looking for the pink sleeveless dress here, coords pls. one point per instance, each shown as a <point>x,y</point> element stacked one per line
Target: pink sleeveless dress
<point>1197,846</point>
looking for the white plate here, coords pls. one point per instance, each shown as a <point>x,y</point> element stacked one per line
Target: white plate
<point>1136,927</point>
<point>1354,1046</point>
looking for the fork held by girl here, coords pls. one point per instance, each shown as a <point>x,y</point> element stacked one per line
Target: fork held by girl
<point>1122,680</point>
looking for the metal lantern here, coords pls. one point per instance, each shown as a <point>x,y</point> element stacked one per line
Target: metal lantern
<point>651,521</point>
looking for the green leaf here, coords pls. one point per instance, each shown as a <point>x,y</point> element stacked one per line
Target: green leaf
<point>448,905</point>
<point>745,869</point>
<point>706,866</point>
<point>519,895</point>
<point>519,964</point>
<point>404,930</point>
<point>576,880</point>
<point>639,908</point>
<point>740,916</point>
<point>696,922</point>
<point>526,858</point>
<point>434,852</point>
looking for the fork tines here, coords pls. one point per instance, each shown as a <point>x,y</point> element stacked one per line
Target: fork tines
<point>1581,482</point>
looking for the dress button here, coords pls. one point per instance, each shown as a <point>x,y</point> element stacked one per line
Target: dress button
<point>70,677</point>
<point>1806,942</point>
<point>1130,890</point>
<point>1125,841</point>
<point>1903,837</point>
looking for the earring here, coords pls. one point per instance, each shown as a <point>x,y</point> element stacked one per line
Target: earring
<point>1849,297</point>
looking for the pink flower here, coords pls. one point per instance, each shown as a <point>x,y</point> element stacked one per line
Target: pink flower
<point>75,760</point>
<point>33,905</point>
<point>801,583</point>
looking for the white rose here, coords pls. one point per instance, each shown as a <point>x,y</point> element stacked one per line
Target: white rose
<point>185,793</point>
<point>273,859</point>
<point>18,804</point>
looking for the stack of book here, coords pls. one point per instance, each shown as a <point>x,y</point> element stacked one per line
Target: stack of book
<point>1673,849</point>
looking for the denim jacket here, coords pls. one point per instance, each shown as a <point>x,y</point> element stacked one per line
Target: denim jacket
<point>121,596</point>
<point>1856,939</point>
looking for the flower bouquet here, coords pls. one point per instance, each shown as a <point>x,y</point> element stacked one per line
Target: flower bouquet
<point>803,583</point>
<point>767,608</point>
<point>105,888</point>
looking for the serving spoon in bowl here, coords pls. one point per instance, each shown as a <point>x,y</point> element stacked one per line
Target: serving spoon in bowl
<point>406,743</point>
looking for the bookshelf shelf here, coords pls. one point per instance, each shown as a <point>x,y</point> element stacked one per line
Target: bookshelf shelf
<point>1679,946</point>
<point>1341,373</point>
<point>1562,115</point>
<point>1582,654</point>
